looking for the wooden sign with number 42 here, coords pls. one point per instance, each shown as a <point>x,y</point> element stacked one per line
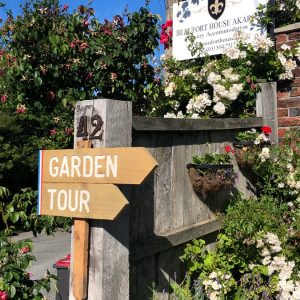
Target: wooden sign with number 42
<point>97,128</point>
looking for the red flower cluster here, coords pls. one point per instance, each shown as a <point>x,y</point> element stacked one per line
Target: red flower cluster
<point>228,149</point>
<point>25,250</point>
<point>166,34</point>
<point>82,45</point>
<point>3,98</point>
<point>266,129</point>
<point>53,131</point>
<point>69,131</point>
<point>3,295</point>
<point>251,83</point>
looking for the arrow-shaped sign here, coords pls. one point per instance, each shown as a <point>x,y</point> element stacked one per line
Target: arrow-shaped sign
<point>104,165</point>
<point>88,201</point>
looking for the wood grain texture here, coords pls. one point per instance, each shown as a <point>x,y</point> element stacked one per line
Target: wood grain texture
<point>78,200</point>
<point>167,241</point>
<point>179,214</point>
<point>164,124</point>
<point>109,246</point>
<point>122,165</point>
<point>109,241</point>
<point>80,248</point>
<point>266,107</point>
<point>80,260</point>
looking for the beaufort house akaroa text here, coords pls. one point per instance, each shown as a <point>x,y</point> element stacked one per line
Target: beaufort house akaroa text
<point>213,23</point>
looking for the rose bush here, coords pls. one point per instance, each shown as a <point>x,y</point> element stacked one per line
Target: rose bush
<point>225,86</point>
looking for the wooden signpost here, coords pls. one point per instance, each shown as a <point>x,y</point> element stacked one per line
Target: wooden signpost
<point>104,165</point>
<point>87,201</point>
<point>79,183</point>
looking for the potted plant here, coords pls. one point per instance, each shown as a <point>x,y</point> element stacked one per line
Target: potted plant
<point>248,143</point>
<point>211,172</point>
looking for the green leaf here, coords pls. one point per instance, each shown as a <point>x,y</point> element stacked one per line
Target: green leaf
<point>4,192</point>
<point>38,81</point>
<point>21,97</point>
<point>10,208</point>
<point>12,291</point>
<point>38,105</point>
<point>15,217</point>
<point>64,102</point>
<point>8,276</point>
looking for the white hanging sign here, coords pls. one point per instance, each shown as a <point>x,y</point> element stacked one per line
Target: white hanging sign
<point>213,23</point>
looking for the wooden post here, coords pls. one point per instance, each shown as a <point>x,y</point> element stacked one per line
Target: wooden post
<point>80,250</point>
<point>266,107</point>
<point>109,240</point>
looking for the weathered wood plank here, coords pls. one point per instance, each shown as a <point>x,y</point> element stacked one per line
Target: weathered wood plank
<point>80,248</point>
<point>109,270</point>
<point>266,107</point>
<point>146,277</point>
<point>177,196</point>
<point>163,154</point>
<point>142,204</point>
<point>165,124</point>
<point>80,265</point>
<point>194,210</point>
<point>167,241</point>
<point>169,269</point>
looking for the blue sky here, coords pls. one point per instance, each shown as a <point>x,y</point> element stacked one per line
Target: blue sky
<point>103,9</point>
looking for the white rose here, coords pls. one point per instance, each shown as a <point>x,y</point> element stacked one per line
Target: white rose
<point>219,108</point>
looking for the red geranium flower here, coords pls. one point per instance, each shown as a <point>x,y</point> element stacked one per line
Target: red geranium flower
<point>85,23</point>
<point>266,129</point>
<point>66,7</point>
<point>169,23</point>
<point>25,250</point>
<point>164,38</point>
<point>3,295</point>
<point>228,149</point>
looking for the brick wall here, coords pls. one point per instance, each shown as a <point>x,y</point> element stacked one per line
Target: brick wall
<point>288,96</point>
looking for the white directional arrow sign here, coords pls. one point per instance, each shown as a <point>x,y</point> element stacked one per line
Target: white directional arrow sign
<point>103,165</point>
<point>77,200</point>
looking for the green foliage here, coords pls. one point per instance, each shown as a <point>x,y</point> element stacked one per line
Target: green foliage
<point>256,233</point>
<point>248,135</point>
<point>72,56</point>
<point>212,159</point>
<point>20,211</point>
<point>282,13</point>
<point>15,258</point>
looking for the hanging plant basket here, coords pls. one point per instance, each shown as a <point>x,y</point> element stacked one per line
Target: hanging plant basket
<point>244,153</point>
<point>210,178</point>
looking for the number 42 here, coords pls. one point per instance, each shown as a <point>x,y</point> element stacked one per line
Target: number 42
<point>96,122</point>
